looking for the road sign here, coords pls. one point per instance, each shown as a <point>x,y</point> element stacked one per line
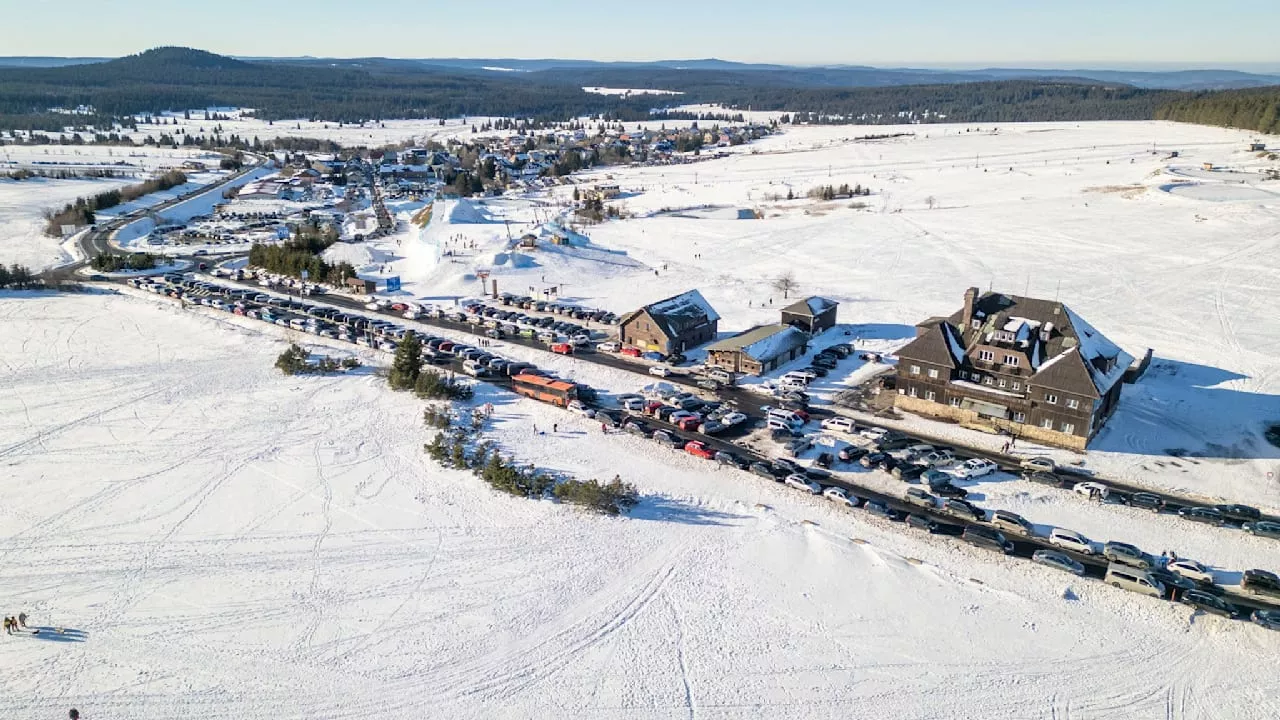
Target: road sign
<point>482,274</point>
<point>305,274</point>
<point>393,284</point>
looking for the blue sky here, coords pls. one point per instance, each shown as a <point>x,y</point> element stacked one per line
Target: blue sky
<point>1059,33</point>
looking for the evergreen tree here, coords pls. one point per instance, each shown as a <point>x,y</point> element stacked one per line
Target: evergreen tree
<point>407,364</point>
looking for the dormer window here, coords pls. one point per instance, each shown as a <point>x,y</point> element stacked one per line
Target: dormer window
<point>977,324</point>
<point>1011,360</point>
<point>986,355</point>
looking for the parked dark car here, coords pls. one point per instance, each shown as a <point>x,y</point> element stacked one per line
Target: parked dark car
<point>1269,619</point>
<point>1043,478</point>
<point>871,460</point>
<point>1261,582</point>
<point>671,440</point>
<point>635,427</point>
<point>817,370</point>
<point>824,460</point>
<point>908,473</point>
<point>921,522</point>
<point>964,508</point>
<point>787,466</point>
<point>1208,516</point>
<point>1174,583</point>
<point>608,418</point>
<point>984,537</point>
<point>851,453</point>
<point>1263,528</point>
<point>728,458</point>
<point>818,474</point>
<point>1239,513</point>
<point>764,470</point>
<point>1202,600</point>
<point>949,491</point>
<point>875,507</point>
<point>1147,501</point>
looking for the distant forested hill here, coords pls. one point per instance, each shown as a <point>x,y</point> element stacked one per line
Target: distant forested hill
<point>373,89</point>
<point>1257,110</point>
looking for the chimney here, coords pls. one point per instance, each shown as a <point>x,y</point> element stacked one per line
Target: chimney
<point>970,299</point>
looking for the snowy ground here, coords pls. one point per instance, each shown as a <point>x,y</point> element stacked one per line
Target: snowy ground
<point>22,206</point>
<point>232,543</point>
<point>1154,251</point>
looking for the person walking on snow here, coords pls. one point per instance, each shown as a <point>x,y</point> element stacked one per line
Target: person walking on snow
<point>22,619</point>
<point>555,427</point>
<point>8,626</point>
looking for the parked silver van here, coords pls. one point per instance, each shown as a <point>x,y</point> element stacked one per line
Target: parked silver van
<point>1133,580</point>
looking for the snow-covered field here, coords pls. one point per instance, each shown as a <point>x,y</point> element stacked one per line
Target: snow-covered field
<point>1099,215</point>
<point>220,541</point>
<point>22,206</point>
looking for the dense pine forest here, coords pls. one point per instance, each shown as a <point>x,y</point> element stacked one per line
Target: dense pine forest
<point>1257,110</point>
<point>177,79</point>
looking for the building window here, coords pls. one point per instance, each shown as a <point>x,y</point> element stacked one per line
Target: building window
<point>1051,398</point>
<point>1017,385</point>
<point>915,369</point>
<point>955,402</point>
<point>931,396</point>
<point>1068,428</point>
<point>986,355</point>
<point>1019,417</point>
<point>933,373</point>
<point>964,374</point>
<point>1046,424</point>
<point>1073,403</point>
<point>911,392</point>
<point>1011,360</point>
<point>987,380</point>
<point>977,324</point>
<point>1002,382</point>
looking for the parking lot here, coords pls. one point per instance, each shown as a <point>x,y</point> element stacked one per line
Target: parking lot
<point>827,463</point>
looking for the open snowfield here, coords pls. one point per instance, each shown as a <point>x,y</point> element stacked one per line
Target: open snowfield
<point>220,541</point>
<point>1154,251</point>
<point>22,206</point>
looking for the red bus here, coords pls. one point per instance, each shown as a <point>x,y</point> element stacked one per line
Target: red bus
<point>556,392</point>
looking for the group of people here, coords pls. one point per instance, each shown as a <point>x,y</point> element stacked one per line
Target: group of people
<point>12,624</point>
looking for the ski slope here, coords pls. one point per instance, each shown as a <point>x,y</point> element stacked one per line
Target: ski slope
<point>233,543</point>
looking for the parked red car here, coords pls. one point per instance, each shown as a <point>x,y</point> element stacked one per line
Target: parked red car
<point>652,408</point>
<point>631,351</point>
<point>399,307</point>
<point>562,348</point>
<point>689,424</point>
<point>697,448</point>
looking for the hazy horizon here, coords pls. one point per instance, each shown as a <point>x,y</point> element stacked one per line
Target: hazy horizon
<point>1087,34</point>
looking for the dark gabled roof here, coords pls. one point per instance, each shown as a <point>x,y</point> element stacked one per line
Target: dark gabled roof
<point>679,313</point>
<point>1066,372</point>
<point>932,347</point>
<point>810,306</point>
<point>1026,318</point>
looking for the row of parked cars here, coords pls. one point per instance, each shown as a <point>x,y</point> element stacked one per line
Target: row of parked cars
<point>684,410</point>
<point>576,312</point>
<point>332,323</point>
<point>513,322</point>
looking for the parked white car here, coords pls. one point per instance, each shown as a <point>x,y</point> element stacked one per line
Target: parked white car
<point>733,418</point>
<point>873,433</point>
<point>974,468</point>
<point>1190,569</point>
<point>581,340</point>
<point>838,424</point>
<point>660,371</point>
<point>1070,540</point>
<point>609,346</point>
<point>835,494</point>
<point>579,408</point>
<point>1091,489</point>
<point>633,404</point>
<point>801,482</point>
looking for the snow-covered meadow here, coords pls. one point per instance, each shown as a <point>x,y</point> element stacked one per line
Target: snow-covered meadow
<point>230,542</point>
